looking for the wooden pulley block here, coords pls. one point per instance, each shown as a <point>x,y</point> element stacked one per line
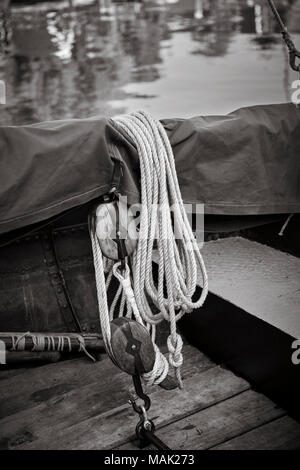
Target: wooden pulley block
<point>132,346</point>
<point>133,349</point>
<point>115,221</point>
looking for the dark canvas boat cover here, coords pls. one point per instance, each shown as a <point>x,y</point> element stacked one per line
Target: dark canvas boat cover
<point>244,163</point>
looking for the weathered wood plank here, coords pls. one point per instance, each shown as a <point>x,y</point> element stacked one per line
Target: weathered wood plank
<point>112,428</point>
<point>218,423</point>
<point>52,381</point>
<point>66,394</point>
<point>280,434</point>
<point>27,389</point>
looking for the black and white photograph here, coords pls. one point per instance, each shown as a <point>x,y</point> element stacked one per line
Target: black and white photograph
<point>149,229</point>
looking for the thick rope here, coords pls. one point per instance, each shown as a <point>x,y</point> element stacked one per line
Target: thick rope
<point>179,256</point>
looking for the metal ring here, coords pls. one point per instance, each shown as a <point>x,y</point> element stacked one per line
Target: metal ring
<point>139,408</point>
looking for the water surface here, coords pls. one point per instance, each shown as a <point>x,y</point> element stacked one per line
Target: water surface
<point>175,59</point>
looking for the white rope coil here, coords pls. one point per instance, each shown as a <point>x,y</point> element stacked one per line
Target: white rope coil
<point>179,257</point>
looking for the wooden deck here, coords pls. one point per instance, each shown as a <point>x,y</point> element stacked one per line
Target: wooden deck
<point>80,405</point>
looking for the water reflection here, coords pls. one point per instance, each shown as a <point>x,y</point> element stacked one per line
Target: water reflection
<point>77,58</point>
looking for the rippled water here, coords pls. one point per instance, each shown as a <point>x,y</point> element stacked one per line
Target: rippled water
<point>176,59</point>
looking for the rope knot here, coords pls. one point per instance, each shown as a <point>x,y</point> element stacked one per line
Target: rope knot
<point>175,356</point>
<point>186,308</point>
<point>124,279</point>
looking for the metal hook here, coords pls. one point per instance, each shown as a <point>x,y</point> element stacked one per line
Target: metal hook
<point>140,393</point>
<point>294,54</point>
<point>145,430</point>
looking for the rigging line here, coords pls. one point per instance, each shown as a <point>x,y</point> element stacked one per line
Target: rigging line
<point>293,51</point>
<point>277,16</point>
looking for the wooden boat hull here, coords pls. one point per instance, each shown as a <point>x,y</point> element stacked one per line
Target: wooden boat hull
<point>47,279</point>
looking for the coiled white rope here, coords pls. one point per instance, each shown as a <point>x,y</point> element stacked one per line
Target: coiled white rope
<point>179,256</point>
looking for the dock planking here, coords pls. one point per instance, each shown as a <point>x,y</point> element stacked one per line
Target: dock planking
<point>113,428</point>
<point>80,405</point>
<point>51,398</point>
<point>42,384</point>
<point>218,423</point>
<point>281,434</point>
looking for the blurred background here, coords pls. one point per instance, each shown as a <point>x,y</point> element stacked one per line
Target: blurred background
<point>79,58</point>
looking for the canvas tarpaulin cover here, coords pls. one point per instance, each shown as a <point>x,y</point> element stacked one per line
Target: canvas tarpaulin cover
<point>244,163</point>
